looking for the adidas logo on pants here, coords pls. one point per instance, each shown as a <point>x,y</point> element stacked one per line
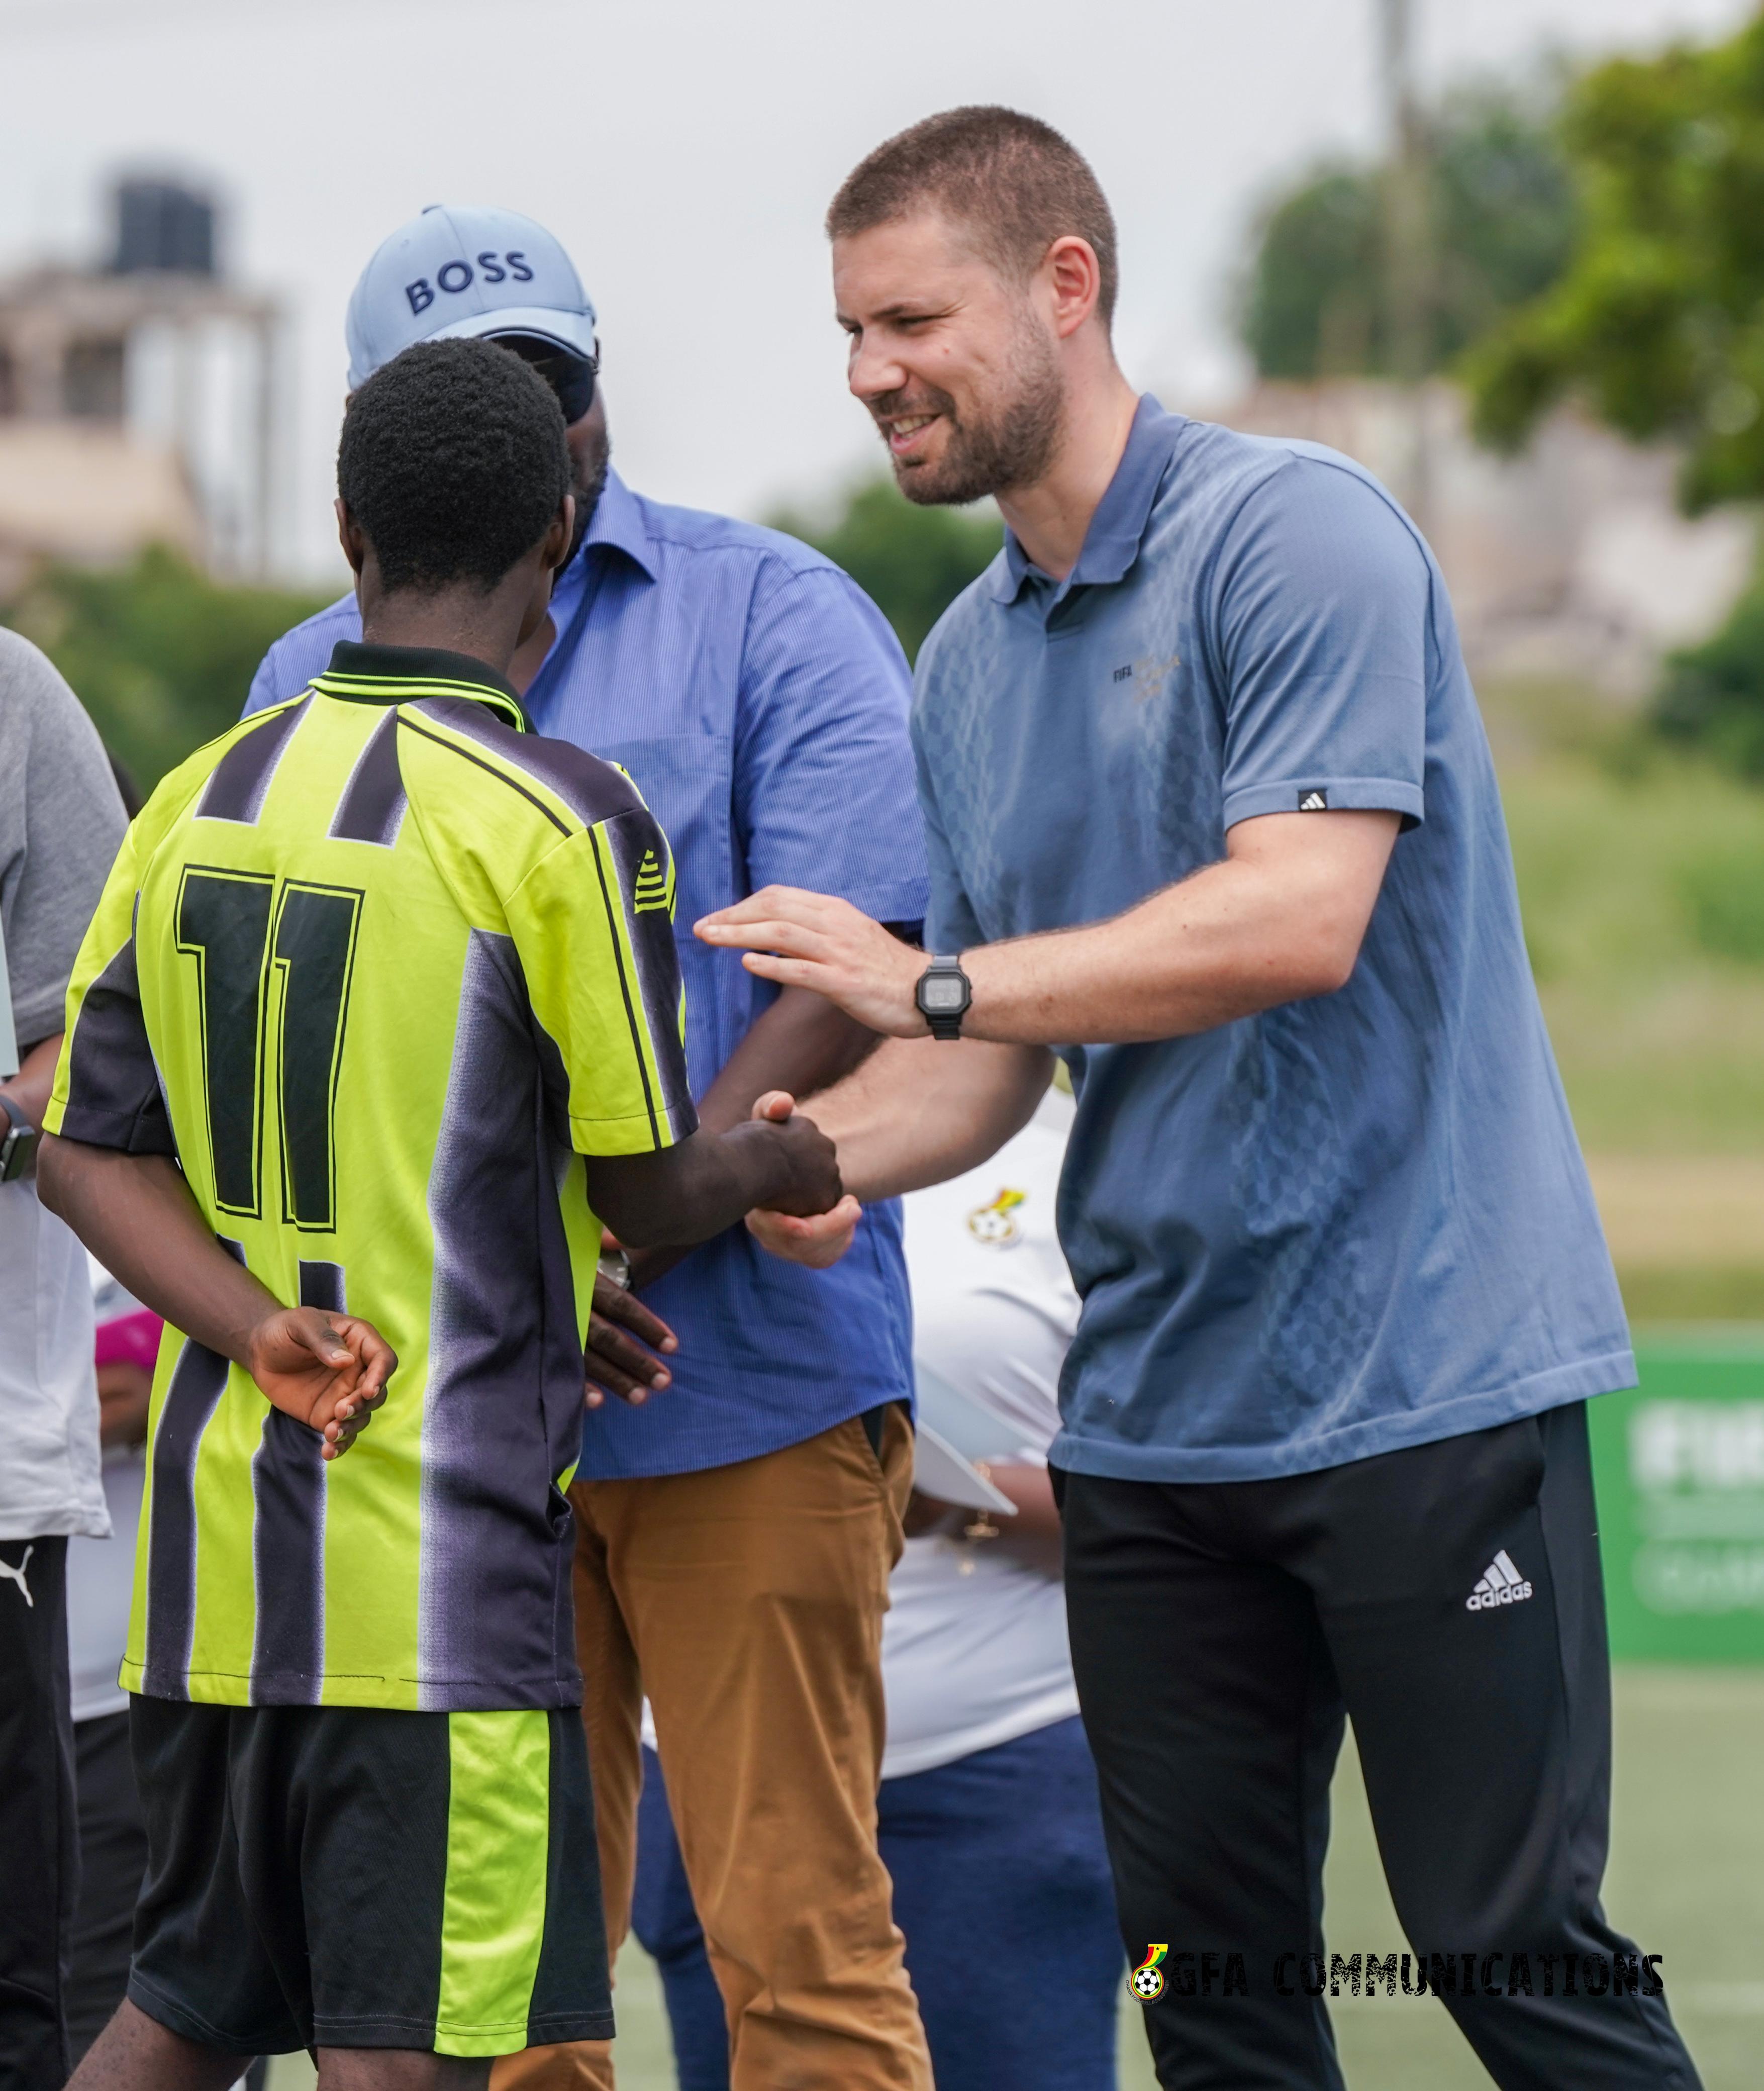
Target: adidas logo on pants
<point>1501,1583</point>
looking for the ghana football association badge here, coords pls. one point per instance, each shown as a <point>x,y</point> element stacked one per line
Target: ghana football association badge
<point>995,1224</point>
<point>1147,1980</point>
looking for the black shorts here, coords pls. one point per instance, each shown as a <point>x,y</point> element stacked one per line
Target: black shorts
<point>345,1876</point>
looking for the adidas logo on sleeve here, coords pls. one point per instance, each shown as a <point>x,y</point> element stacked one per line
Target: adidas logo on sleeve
<point>1501,1583</point>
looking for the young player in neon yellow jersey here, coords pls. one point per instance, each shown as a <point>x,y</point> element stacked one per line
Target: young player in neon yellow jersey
<point>379,1017</point>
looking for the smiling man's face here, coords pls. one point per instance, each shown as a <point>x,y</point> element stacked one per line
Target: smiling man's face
<point>953,358</point>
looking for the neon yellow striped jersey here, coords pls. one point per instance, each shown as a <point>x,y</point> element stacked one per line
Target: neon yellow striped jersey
<point>380,967</point>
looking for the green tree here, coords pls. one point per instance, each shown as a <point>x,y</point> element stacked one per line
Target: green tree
<point>160,656</point>
<point>1658,323</point>
<point>912,562</point>
<point>1502,211</point>
<point>1657,326</point>
<point>1712,695</point>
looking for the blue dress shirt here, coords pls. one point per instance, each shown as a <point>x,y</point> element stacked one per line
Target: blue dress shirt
<point>759,700</point>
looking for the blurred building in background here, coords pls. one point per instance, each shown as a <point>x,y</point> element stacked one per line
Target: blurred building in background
<point>137,400</point>
<point>1570,561</point>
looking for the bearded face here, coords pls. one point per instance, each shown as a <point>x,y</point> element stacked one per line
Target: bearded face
<point>1000,431</point>
<point>591,452</point>
<point>953,357</point>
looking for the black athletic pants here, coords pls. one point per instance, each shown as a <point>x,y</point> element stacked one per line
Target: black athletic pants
<point>113,1857</point>
<point>1221,1632</point>
<point>39,1849</point>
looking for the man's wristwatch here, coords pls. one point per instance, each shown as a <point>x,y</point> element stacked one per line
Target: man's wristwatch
<point>943,995</point>
<point>18,1141</point>
<point>616,1268</point>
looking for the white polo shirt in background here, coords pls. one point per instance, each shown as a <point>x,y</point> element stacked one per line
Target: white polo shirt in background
<point>973,1649</point>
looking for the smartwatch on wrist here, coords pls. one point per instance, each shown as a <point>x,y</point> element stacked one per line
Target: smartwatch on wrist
<point>943,996</point>
<point>18,1141</point>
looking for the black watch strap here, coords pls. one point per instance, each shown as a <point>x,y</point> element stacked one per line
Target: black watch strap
<point>943,996</point>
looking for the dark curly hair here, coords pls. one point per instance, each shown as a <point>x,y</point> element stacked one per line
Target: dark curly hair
<point>453,460</point>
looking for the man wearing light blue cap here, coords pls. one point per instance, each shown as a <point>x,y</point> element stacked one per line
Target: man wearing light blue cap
<point>734,1539</point>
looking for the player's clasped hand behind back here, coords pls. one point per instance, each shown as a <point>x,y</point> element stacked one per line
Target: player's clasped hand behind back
<point>328,1371</point>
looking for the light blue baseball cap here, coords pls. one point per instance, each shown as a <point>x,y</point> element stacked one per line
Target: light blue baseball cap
<point>456,271</point>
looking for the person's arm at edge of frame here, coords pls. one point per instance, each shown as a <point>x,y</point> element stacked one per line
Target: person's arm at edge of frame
<point>135,1213</point>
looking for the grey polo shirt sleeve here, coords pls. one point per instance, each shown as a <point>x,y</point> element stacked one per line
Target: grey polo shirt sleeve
<point>61,820</point>
<point>1323,601</point>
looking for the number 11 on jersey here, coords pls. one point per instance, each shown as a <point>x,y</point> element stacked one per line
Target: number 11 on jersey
<point>236,926</point>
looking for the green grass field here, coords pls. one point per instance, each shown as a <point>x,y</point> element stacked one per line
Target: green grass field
<point>1642,877</point>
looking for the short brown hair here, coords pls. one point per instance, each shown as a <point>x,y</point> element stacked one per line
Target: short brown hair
<point>1014,179</point>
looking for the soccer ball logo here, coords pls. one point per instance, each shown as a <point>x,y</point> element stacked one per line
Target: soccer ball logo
<point>1147,1980</point>
<point>995,1224</point>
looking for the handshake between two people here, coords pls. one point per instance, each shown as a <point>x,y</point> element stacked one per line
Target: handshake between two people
<point>798,940</point>
<point>787,1169</point>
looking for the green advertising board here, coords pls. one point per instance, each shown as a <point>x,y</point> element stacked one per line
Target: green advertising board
<point>1678,1462</point>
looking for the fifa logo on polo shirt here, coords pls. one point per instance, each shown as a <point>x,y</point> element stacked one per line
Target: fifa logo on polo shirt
<point>1148,674</point>
<point>1147,1980</point>
<point>1501,1583</point>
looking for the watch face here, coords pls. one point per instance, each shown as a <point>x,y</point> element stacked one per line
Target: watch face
<point>943,991</point>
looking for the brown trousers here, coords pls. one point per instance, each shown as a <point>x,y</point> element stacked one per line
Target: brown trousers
<point>747,1602</point>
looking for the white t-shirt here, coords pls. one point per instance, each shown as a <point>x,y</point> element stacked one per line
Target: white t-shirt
<point>101,1582</point>
<point>101,1572</point>
<point>973,1649</point>
<point>48,1392</point>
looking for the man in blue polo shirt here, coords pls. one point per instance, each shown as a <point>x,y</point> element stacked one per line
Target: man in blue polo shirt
<point>1211,813</point>
<point>734,1537</point>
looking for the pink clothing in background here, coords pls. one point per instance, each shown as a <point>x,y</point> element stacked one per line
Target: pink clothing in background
<point>130,1339</point>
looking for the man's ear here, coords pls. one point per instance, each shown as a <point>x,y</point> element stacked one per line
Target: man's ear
<point>1074,280</point>
<point>349,535</point>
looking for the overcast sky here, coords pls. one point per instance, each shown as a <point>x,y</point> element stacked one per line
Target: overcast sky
<point>685,150</point>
